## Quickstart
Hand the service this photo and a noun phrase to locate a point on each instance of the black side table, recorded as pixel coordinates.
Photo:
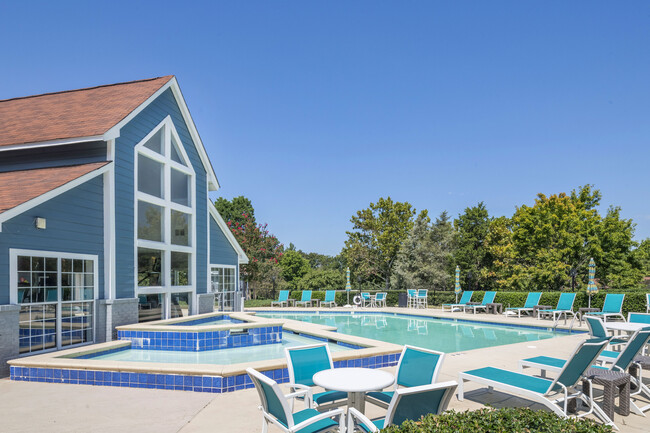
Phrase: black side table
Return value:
(613, 382)
(582, 311)
(494, 308)
(536, 308)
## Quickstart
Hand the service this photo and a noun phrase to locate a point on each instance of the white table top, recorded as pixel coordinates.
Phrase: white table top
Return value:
(624, 326)
(354, 379)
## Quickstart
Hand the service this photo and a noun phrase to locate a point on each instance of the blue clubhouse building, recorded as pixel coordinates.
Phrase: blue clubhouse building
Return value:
(105, 216)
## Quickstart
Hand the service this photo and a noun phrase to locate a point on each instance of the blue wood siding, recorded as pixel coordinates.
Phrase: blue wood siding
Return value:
(130, 135)
(221, 252)
(53, 156)
(75, 224)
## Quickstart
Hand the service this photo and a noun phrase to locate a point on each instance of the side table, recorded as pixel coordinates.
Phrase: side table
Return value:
(613, 382)
(644, 362)
(536, 308)
(582, 311)
(494, 308)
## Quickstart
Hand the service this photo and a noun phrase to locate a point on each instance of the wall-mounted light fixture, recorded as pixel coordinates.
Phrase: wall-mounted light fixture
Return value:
(40, 223)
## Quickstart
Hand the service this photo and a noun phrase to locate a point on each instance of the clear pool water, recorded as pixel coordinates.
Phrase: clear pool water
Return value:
(442, 335)
(224, 356)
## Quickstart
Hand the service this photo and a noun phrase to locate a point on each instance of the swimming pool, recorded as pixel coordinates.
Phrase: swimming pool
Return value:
(224, 356)
(431, 333)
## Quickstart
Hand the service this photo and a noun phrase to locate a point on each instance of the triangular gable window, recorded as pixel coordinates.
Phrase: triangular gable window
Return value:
(175, 153)
(155, 143)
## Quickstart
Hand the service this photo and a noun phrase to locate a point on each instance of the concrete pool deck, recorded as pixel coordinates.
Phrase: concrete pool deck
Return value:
(29, 406)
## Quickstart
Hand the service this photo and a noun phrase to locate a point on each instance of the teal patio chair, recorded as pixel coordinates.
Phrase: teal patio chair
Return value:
(305, 298)
(529, 306)
(488, 298)
(422, 298)
(417, 366)
(554, 394)
(597, 330)
(366, 299)
(613, 307)
(276, 409)
(330, 296)
(412, 297)
(283, 299)
(305, 361)
(407, 404)
(638, 318)
(380, 299)
(564, 307)
(467, 297)
(619, 361)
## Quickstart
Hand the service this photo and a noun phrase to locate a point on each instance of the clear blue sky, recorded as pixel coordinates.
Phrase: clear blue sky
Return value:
(315, 109)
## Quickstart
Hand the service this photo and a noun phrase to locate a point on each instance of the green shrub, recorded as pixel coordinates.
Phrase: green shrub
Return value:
(253, 303)
(499, 420)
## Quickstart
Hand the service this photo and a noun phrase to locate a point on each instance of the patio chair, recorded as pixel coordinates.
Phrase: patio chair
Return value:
(597, 330)
(467, 297)
(305, 298)
(407, 404)
(277, 409)
(612, 307)
(620, 361)
(564, 307)
(366, 299)
(305, 361)
(529, 306)
(554, 394)
(283, 299)
(638, 317)
(380, 299)
(417, 366)
(330, 296)
(412, 297)
(421, 300)
(488, 298)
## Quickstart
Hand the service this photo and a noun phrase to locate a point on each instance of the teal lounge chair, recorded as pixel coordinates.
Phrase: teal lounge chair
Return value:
(366, 299)
(613, 307)
(380, 299)
(554, 394)
(529, 306)
(488, 298)
(305, 361)
(421, 299)
(283, 299)
(412, 297)
(305, 298)
(564, 307)
(417, 366)
(619, 361)
(276, 409)
(467, 297)
(330, 297)
(597, 330)
(407, 404)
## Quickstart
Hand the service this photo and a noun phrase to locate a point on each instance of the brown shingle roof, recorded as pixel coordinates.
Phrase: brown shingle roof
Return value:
(72, 113)
(18, 187)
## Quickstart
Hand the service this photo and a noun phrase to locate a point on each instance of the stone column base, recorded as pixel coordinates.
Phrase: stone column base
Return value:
(9, 344)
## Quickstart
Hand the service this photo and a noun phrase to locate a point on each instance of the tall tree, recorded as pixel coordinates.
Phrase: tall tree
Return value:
(376, 238)
(294, 267)
(472, 227)
(238, 210)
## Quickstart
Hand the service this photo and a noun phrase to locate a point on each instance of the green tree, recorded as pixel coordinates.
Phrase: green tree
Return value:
(294, 267)
(426, 257)
(472, 227)
(323, 261)
(322, 279)
(642, 256)
(376, 238)
(238, 210)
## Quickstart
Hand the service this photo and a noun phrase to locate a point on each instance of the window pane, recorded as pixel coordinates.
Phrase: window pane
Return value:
(23, 263)
(180, 228)
(150, 221)
(150, 307)
(175, 153)
(155, 142)
(149, 267)
(180, 268)
(180, 305)
(150, 176)
(180, 188)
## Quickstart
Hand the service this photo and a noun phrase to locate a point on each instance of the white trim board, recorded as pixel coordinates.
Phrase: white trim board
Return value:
(48, 143)
(242, 258)
(23, 207)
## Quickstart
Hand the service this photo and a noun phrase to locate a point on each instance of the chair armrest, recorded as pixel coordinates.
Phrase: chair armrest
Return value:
(324, 415)
(304, 391)
(355, 414)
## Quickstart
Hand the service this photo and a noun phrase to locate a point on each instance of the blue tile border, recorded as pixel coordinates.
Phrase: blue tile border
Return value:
(175, 382)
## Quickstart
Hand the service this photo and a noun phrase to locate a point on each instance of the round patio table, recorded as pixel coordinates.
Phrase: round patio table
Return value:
(355, 381)
(624, 326)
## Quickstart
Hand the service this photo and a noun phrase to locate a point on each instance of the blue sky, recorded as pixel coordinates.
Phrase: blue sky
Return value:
(315, 109)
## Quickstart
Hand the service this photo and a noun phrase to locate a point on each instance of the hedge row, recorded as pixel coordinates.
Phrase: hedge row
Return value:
(634, 301)
(499, 420)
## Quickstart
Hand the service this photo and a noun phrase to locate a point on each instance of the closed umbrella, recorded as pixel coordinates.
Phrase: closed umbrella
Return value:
(457, 288)
(348, 286)
(592, 288)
